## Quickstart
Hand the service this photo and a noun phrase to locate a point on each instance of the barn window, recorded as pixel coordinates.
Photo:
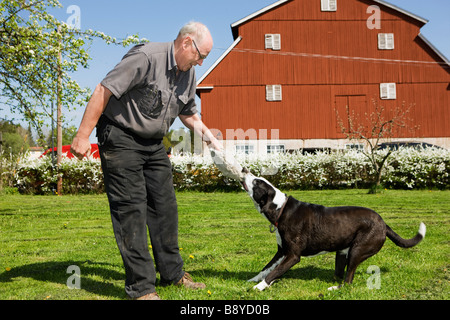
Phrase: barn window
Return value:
(273, 41)
(386, 41)
(275, 148)
(388, 91)
(328, 5)
(354, 146)
(273, 92)
(245, 149)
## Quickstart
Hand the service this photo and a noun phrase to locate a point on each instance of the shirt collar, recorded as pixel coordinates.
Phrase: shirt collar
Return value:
(171, 62)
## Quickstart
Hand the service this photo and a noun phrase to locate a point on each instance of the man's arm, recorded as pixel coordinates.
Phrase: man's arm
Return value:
(94, 109)
(194, 123)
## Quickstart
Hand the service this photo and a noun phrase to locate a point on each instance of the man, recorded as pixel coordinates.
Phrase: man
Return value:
(133, 108)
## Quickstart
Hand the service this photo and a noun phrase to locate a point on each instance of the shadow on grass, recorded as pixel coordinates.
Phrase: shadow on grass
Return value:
(305, 273)
(301, 273)
(97, 278)
(57, 272)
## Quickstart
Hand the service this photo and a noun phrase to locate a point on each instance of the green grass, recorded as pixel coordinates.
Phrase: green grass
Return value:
(224, 242)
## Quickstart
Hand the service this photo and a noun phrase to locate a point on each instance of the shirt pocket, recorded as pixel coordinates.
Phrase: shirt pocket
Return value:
(150, 102)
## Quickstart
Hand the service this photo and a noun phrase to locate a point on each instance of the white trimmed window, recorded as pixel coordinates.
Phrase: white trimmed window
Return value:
(388, 91)
(245, 149)
(328, 5)
(272, 41)
(273, 92)
(386, 41)
(275, 148)
(354, 146)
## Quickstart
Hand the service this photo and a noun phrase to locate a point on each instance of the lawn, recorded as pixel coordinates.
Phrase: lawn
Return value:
(224, 242)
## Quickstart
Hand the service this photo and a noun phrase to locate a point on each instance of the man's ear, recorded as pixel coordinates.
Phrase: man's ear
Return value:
(186, 42)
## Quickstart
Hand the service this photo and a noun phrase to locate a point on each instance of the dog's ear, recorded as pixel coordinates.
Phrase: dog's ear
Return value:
(271, 193)
(262, 201)
(263, 194)
(268, 195)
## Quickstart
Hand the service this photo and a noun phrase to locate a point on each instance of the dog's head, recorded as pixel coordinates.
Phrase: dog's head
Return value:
(265, 196)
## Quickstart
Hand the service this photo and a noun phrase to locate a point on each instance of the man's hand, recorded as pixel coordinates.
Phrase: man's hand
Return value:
(215, 144)
(80, 147)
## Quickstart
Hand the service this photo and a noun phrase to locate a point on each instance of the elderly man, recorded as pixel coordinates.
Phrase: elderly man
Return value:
(133, 108)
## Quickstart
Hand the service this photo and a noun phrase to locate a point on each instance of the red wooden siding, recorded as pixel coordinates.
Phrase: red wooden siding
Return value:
(319, 69)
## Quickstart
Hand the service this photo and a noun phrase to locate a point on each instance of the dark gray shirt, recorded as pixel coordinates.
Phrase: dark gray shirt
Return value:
(147, 94)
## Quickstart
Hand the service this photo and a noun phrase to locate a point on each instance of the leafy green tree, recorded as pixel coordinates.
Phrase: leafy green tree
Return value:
(39, 54)
(15, 139)
(179, 141)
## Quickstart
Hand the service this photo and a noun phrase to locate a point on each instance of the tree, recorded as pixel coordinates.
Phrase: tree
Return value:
(372, 129)
(15, 139)
(68, 133)
(179, 141)
(39, 53)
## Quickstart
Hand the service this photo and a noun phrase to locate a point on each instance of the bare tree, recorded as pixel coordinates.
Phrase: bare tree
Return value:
(374, 128)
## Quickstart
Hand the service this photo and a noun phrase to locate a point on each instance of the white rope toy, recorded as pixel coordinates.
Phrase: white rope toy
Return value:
(227, 164)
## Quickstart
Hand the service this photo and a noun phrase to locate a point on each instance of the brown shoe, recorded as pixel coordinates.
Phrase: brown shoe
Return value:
(149, 296)
(187, 282)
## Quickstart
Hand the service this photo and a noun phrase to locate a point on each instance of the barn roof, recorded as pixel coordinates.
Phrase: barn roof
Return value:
(253, 15)
(235, 25)
(280, 2)
(440, 54)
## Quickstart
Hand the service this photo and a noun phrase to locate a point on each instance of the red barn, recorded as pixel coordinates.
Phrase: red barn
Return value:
(295, 62)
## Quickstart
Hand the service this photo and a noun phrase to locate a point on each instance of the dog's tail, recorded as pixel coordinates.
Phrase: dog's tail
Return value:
(407, 243)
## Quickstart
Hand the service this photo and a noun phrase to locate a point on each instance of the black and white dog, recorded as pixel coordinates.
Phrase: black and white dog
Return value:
(305, 229)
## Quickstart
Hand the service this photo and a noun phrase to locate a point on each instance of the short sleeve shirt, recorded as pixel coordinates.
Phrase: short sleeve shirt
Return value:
(147, 93)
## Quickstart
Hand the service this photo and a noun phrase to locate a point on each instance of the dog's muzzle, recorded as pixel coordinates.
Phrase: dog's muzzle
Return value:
(246, 172)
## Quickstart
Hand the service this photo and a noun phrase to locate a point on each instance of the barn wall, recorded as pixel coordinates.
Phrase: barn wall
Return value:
(328, 60)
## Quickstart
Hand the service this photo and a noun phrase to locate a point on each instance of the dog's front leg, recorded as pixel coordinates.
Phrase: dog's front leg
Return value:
(287, 263)
(276, 260)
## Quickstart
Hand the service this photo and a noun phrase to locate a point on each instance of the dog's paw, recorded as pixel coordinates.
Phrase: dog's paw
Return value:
(261, 286)
(334, 288)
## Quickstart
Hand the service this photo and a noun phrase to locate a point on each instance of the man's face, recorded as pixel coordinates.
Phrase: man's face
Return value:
(193, 53)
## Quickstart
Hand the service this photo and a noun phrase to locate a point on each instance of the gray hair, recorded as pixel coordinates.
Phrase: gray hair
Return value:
(194, 29)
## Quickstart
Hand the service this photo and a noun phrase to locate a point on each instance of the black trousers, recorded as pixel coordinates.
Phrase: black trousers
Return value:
(138, 182)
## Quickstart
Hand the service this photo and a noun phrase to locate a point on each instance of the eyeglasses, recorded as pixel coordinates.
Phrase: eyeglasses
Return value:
(202, 57)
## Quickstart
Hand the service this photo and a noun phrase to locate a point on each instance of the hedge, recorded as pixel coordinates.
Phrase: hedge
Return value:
(407, 169)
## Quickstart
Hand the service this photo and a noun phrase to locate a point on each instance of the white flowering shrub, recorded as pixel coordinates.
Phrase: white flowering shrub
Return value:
(413, 168)
(406, 169)
(38, 176)
(286, 171)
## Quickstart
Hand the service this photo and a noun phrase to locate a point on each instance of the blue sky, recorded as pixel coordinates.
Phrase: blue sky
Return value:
(160, 21)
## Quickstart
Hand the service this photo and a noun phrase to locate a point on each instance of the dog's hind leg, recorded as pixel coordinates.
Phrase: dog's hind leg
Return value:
(354, 259)
(276, 260)
(366, 246)
(340, 264)
(339, 269)
(356, 256)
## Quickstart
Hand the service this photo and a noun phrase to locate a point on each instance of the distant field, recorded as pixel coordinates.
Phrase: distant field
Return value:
(224, 242)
